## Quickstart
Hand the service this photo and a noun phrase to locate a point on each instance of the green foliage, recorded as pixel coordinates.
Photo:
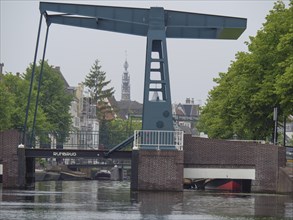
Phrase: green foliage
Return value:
(120, 130)
(54, 103)
(13, 103)
(242, 103)
(6, 106)
(104, 134)
(41, 163)
(54, 100)
(97, 83)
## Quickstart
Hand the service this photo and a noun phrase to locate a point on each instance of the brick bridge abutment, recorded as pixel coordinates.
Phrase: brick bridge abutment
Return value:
(153, 170)
(16, 168)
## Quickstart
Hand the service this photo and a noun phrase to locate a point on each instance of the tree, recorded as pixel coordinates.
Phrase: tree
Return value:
(257, 81)
(54, 102)
(54, 99)
(14, 93)
(97, 83)
(120, 130)
(6, 102)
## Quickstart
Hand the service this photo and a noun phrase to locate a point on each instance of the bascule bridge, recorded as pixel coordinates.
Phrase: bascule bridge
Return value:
(158, 157)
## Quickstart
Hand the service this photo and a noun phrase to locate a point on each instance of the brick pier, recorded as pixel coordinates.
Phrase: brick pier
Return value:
(157, 170)
(9, 142)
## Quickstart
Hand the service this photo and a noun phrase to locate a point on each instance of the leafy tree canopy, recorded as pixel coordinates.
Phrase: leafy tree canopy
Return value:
(14, 92)
(54, 100)
(7, 100)
(257, 81)
(120, 130)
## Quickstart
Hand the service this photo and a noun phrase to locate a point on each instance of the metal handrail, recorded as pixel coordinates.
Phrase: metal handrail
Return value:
(158, 139)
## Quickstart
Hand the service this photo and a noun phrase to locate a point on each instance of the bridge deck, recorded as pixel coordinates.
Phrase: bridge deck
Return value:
(74, 153)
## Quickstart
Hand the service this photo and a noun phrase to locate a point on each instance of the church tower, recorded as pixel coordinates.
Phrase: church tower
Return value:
(125, 87)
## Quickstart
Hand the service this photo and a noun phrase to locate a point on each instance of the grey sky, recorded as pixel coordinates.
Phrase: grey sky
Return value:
(193, 63)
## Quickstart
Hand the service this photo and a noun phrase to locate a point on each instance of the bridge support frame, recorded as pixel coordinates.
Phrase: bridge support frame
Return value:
(157, 105)
(157, 170)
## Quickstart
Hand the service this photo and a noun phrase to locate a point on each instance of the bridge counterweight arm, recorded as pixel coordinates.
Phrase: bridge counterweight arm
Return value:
(99, 24)
(183, 24)
(123, 14)
(136, 21)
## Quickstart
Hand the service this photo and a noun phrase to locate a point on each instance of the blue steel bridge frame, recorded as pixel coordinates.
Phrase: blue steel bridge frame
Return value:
(156, 24)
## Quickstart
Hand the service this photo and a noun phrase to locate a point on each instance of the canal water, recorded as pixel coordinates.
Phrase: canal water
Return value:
(69, 200)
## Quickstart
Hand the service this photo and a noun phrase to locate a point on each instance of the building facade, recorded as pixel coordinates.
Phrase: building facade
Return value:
(186, 115)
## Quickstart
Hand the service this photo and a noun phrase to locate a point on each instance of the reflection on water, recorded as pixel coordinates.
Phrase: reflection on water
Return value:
(158, 203)
(114, 200)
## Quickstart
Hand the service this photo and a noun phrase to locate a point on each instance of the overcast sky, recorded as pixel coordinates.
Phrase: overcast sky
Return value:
(193, 63)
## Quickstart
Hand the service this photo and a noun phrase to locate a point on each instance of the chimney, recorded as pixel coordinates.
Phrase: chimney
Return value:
(57, 68)
(187, 100)
(1, 68)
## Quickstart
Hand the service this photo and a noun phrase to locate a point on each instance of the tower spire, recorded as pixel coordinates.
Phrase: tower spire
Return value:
(125, 87)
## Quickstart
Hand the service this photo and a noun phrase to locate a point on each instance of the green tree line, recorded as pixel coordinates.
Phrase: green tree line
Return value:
(53, 114)
(242, 103)
(54, 101)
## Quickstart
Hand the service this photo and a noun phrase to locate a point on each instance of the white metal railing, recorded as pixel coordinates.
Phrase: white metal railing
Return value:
(158, 139)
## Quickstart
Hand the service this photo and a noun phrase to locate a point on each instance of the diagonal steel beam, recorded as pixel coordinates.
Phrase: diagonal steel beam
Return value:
(136, 21)
(99, 24)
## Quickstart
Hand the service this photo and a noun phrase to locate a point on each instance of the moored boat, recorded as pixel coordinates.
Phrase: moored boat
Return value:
(39, 175)
(103, 175)
(224, 184)
(52, 176)
(72, 175)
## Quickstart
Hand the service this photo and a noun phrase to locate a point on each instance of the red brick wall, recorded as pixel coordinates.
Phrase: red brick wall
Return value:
(265, 158)
(159, 170)
(9, 141)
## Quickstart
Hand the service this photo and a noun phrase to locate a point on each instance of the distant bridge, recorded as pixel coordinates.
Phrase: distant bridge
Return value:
(74, 153)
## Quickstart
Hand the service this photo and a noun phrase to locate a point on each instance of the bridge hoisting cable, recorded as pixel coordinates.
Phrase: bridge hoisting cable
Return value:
(156, 24)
